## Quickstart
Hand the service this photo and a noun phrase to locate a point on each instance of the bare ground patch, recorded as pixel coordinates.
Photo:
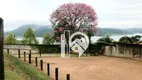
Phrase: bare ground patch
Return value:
(93, 68)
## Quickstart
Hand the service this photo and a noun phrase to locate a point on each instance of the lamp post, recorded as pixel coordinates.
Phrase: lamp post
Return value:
(1, 51)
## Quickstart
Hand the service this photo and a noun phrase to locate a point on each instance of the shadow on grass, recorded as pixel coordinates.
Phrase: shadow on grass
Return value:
(19, 70)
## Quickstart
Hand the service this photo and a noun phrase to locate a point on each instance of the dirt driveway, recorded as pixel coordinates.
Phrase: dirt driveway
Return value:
(95, 68)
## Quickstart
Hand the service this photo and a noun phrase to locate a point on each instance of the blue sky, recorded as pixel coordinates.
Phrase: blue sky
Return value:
(111, 13)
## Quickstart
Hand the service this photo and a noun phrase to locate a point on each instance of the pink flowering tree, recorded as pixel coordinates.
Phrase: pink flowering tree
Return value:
(74, 17)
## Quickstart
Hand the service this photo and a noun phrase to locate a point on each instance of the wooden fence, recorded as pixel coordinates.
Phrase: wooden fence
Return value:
(36, 62)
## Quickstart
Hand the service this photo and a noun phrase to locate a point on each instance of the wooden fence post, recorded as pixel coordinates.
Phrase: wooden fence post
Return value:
(30, 51)
(56, 73)
(25, 56)
(29, 58)
(8, 51)
(68, 77)
(40, 53)
(41, 65)
(36, 61)
(19, 53)
(1, 50)
(48, 69)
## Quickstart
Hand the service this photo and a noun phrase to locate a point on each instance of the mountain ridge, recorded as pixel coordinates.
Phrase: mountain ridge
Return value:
(40, 30)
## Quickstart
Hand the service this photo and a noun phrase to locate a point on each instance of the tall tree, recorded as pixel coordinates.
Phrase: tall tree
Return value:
(106, 39)
(10, 39)
(29, 37)
(47, 39)
(136, 38)
(125, 39)
(133, 39)
(74, 17)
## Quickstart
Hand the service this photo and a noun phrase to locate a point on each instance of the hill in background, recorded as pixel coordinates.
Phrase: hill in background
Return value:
(40, 30)
(112, 31)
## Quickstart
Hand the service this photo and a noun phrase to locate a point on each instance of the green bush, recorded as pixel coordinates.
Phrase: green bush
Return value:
(49, 48)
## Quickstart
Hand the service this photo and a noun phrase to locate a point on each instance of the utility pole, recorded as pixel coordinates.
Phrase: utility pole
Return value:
(1, 51)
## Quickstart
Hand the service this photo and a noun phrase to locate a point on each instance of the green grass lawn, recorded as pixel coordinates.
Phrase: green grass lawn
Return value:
(15, 69)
